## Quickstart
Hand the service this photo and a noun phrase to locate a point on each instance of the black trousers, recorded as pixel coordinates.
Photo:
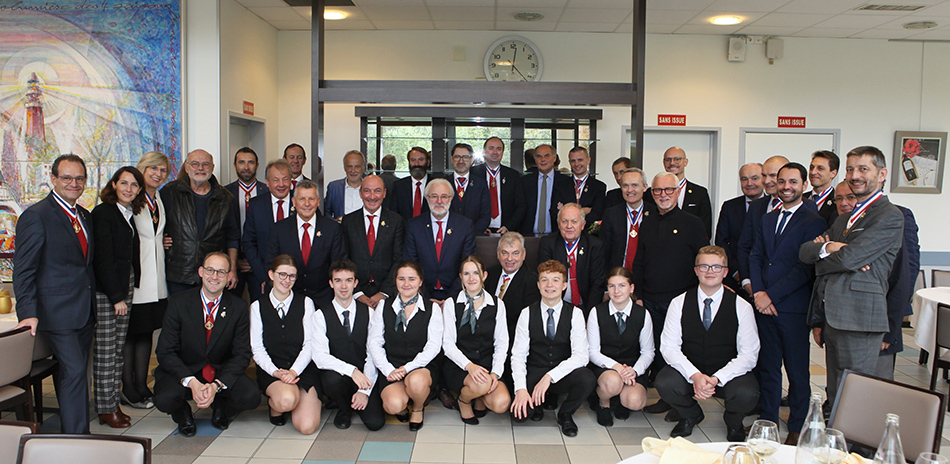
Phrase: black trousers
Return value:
(341, 389)
(657, 311)
(578, 385)
(741, 395)
(72, 348)
(171, 397)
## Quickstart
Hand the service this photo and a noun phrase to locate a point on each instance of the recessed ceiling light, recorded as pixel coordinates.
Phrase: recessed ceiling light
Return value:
(333, 15)
(726, 20)
(920, 25)
(529, 16)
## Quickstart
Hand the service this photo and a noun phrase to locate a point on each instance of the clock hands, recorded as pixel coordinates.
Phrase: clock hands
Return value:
(519, 72)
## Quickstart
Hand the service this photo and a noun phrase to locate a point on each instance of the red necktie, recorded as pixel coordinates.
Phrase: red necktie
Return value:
(208, 372)
(572, 275)
(632, 239)
(280, 209)
(460, 189)
(305, 244)
(577, 187)
(293, 184)
(417, 200)
(81, 235)
(438, 252)
(371, 234)
(494, 196)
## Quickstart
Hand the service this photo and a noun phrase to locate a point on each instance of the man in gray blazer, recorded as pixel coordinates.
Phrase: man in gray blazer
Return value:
(853, 260)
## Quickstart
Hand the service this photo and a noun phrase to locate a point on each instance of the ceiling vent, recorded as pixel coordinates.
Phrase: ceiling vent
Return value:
(884, 7)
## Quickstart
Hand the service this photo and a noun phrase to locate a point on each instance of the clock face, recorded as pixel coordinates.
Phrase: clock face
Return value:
(513, 59)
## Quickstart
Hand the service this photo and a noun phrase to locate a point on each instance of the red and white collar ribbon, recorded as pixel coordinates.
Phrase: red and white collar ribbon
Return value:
(860, 209)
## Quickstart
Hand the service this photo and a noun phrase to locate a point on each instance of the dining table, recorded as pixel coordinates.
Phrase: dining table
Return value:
(924, 319)
(784, 455)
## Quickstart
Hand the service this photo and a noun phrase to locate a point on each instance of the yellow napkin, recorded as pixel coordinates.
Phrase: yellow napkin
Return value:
(679, 450)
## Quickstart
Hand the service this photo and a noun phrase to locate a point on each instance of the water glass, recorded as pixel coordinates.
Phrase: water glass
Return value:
(763, 439)
(930, 458)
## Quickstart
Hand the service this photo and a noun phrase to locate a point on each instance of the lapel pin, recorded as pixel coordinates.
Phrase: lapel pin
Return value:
(223, 313)
(319, 234)
(581, 252)
(382, 223)
(689, 191)
(503, 180)
(829, 203)
(675, 231)
(449, 232)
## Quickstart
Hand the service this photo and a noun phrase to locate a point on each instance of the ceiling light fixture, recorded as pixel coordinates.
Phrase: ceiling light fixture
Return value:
(529, 16)
(726, 20)
(333, 15)
(920, 25)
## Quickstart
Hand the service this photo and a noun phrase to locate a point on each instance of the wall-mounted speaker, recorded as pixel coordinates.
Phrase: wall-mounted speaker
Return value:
(736, 49)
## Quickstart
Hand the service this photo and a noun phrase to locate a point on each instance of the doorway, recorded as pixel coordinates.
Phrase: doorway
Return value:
(243, 131)
(758, 144)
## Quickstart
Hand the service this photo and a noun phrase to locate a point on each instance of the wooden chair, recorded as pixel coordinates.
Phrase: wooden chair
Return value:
(17, 349)
(921, 281)
(10, 433)
(942, 341)
(84, 449)
(939, 278)
(864, 400)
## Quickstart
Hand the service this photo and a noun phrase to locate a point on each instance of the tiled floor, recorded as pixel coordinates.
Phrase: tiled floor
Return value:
(251, 439)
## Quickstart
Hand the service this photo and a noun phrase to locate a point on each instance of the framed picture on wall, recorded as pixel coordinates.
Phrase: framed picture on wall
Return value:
(917, 166)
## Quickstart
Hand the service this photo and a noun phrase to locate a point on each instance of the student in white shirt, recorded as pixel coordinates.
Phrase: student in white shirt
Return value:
(281, 344)
(405, 336)
(475, 342)
(620, 336)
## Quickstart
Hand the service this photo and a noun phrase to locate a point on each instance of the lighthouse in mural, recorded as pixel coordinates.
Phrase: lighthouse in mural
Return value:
(35, 125)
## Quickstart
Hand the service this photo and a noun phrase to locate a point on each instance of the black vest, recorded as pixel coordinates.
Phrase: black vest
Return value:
(543, 353)
(402, 347)
(283, 338)
(623, 348)
(710, 350)
(480, 346)
(348, 348)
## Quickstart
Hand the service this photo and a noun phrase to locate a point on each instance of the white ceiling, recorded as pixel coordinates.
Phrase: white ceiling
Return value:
(786, 18)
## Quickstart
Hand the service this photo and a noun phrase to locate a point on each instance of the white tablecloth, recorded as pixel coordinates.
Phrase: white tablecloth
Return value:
(924, 319)
(785, 454)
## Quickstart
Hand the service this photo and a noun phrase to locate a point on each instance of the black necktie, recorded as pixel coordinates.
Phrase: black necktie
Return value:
(551, 330)
(621, 321)
(346, 322)
(707, 312)
(781, 225)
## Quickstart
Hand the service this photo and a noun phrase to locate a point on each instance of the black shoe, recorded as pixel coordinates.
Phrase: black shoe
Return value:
(279, 419)
(736, 434)
(673, 416)
(186, 422)
(784, 402)
(467, 420)
(446, 399)
(604, 418)
(537, 414)
(416, 426)
(550, 403)
(219, 419)
(621, 413)
(342, 419)
(658, 408)
(403, 416)
(479, 413)
(684, 427)
(568, 427)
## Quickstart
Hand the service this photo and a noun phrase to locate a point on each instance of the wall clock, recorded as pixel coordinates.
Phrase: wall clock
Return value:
(513, 59)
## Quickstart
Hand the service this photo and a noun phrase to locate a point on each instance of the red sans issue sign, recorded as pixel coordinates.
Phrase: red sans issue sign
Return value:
(791, 121)
(671, 120)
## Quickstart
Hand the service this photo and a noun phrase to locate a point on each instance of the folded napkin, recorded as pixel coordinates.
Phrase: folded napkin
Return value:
(679, 450)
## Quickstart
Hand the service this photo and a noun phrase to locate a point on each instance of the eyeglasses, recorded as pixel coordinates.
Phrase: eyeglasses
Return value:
(713, 267)
(215, 272)
(461, 157)
(196, 165)
(443, 198)
(677, 159)
(667, 190)
(286, 276)
(71, 179)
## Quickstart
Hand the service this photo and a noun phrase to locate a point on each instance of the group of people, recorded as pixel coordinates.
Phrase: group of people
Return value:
(379, 303)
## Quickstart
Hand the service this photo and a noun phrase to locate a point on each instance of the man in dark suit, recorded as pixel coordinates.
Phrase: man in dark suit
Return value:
(732, 216)
(408, 195)
(588, 192)
(694, 198)
(262, 212)
(387, 167)
(511, 281)
(506, 207)
(544, 193)
(296, 157)
(312, 241)
(853, 260)
(900, 291)
(472, 198)
(581, 254)
(781, 286)
(753, 218)
(203, 351)
(375, 238)
(821, 173)
(615, 196)
(438, 241)
(620, 228)
(243, 190)
(55, 284)
(343, 194)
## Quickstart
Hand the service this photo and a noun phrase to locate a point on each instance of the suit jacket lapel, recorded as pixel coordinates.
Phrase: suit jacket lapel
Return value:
(792, 222)
(221, 320)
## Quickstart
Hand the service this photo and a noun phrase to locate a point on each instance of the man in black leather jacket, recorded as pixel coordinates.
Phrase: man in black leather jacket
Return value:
(200, 218)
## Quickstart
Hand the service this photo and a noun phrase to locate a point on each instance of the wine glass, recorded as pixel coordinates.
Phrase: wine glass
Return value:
(835, 450)
(763, 439)
(930, 458)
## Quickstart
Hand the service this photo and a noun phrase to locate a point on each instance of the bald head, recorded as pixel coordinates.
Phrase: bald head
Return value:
(750, 178)
(674, 162)
(770, 170)
(199, 165)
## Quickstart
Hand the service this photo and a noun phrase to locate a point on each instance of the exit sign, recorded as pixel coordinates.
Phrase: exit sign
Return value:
(671, 120)
(248, 108)
(790, 121)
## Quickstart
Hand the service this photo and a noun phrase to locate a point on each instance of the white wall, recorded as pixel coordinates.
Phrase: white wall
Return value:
(201, 76)
(866, 88)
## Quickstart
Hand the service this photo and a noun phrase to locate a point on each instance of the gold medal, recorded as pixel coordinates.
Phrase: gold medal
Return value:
(633, 233)
(247, 196)
(154, 219)
(209, 325)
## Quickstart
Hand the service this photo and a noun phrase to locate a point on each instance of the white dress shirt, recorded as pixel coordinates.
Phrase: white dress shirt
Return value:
(321, 345)
(311, 231)
(351, 198)
(450, 333)
(284, 206)
(682, 196)
(435, 227)
(519, 351)
(747, 338)
(501, 281)
(647, 350)
(377, 341)
(126, 213)
(257, 334)
(782, 209)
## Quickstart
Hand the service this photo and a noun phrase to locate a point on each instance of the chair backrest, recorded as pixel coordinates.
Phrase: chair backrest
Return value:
(41, 348)
(16, 347)
(84, 449)
(939, 278)
(943, 325)
(864, 400)
(10, 433)
(921, 281)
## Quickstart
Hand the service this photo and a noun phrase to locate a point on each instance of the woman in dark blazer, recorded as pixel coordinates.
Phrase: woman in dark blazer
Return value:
(116, 262)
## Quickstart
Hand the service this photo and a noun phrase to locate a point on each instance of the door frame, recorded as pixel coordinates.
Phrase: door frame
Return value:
(743, 131)
(256, 139)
